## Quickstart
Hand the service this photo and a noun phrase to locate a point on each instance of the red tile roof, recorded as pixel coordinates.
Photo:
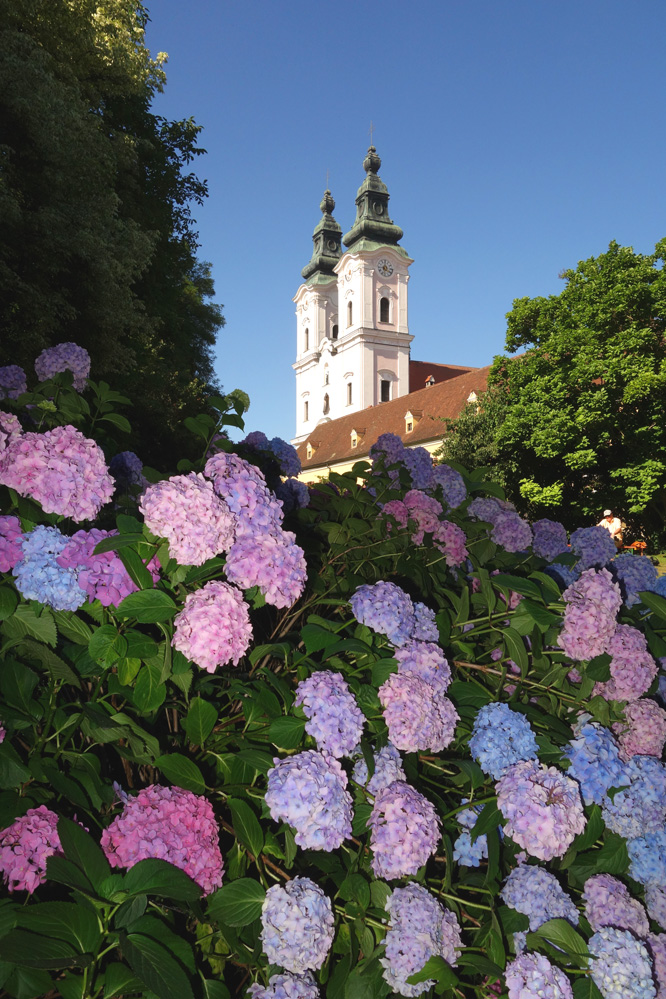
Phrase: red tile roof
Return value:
(419, 371)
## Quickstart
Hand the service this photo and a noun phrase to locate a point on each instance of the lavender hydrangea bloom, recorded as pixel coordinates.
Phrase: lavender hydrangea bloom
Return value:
(656, 945)
(424, 627)
(594, 546)
(286, 987)
(25, 847)
(297, 925)
(243, 487)
(595, 761)
(451, 483)
(621, 967)
(187, 512)
(389, 447)
(609, 903)
(468, 852)
(539, 895)
(640, 807)
(542, 807)
(10, 429)
(308, 791)
(12, 381)
(127, 469)
(655, 900)
(511, 532)
(384, 608)
(286, 455)
(426, 660)
(590, 618)
(102, 577)
(643, 731)
(335, 721)
(64, 357)
(388, 768)
(213, 627)
(501, 737)
(484, 508)
(419, 465)
(404, 831)
(532, 976)
(419, 928)
(647, 856)
(293, 494)
(634, 575)
(40, 577)
(418, 715)
(632, 668)
(273, 562)
(550, 539)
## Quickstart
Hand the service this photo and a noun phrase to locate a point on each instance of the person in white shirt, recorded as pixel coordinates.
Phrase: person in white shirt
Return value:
(613, 525)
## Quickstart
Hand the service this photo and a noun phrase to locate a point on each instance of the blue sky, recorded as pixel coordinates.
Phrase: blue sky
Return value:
(516, 138)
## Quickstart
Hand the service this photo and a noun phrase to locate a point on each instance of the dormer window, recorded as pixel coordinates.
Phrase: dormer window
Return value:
(472, 397)
(409, 425)
(357, 436)
(384, 310)
(308, 451)
(354, 439)
(411, 419)
(430, 381)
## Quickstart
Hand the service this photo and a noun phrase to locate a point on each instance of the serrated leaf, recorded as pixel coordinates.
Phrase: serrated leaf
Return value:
(8, 602)
(157, 877)
(435, 968)
(30, 620)
(41, 655)
(30, 950)
(315, 638)
(515, 648)
(255, 758)
(286, 733)
(118, 421)
(237, 903)
(149, 692)
(120, 980)
(66, 872)
(155, 966)
(182, 772)
(147, 607)
(489, 818)
(561, 934)
(72, 627)
(63, 921)
(136, 569)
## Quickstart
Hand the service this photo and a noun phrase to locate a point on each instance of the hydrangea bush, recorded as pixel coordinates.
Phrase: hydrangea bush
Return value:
(376, 737)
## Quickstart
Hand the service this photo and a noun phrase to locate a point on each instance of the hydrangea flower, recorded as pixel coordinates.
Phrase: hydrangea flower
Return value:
(550, 539)
(620, 966)
(484, 508)
(404, 831)
(102, 577)
(468, 852)
(386, 609)
(186, 511)
(451, 541)
(565, 575)
(532, 976)
(293, 494)
(634, 575)
(423, 510)
(25, 846)
(388, 768)
(127, 469)
(213, 627)
(590, 618)
(285, 454)
(632, 668)
(273, 562)
(647, 856)
(167, 823)
(64, 357)
(539, 895)
(12, 381)
(40, 577)
(501, 737)
(10, 543)
(425, 626)
(335, 720)
(640, 807)
(452, 485)
(542, 808)
(655, 900)
(594, 546)
(308, 791)
(656, 945)
(243, 487)
(286, 987)
(61, 469)
(10, 429)
(595, 760)
(609, 903)
(297, 925)
(419, 928)
(419, 465)
(388, 447)
(643, 730)
(511, 532)
(425, 659)
(418, 716)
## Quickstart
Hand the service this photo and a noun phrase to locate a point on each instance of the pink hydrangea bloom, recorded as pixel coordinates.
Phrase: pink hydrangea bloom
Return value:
(213, 627)
(10, 545)
(397, 510)
(589, 620)
(451, 541)
(61, 469)
(26, 845)
(10, 429)
(167, 823)
(404, 831)
(425, 659)
(103, 576)
(243, 487)
(643, 730)
(64, 357)
(187, 512)
(542, 807)
(273, 562)
(632, 667)
(609, 903)
(418, 716)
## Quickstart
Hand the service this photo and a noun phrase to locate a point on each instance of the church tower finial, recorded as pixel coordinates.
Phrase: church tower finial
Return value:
(326, 237)
(373, 226)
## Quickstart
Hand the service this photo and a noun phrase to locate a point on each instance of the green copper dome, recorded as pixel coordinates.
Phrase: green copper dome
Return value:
(373, 224)
(326, 238)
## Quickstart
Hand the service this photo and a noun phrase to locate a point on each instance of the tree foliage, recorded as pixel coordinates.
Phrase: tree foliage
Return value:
(97, 243)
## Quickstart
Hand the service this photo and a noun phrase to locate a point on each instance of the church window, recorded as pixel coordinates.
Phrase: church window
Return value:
(326, 377)
(385, 390)
(306, 339)
(349, 393)
(306, 408)
(349, 313)
(384, 310)
(327, 404)
(334, 332)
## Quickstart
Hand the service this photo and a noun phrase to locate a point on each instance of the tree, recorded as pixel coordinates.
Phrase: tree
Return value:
(97, 243)
(577, 422)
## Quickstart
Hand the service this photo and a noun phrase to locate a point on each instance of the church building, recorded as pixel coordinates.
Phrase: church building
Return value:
(355, 378)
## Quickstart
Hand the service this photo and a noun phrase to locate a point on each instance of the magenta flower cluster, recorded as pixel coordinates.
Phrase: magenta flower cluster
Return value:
(12, 381)
(309, 792)
(10, 543)
(103, 576)
(424, 513)
(213, 628)
(25, 846)
(335, 720)
(64, 357)
(404, 831)
(590, 617)
(167, 823)
(297, 925)
(187, 512)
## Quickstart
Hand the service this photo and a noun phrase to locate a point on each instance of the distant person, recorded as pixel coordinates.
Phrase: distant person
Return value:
(613, 525)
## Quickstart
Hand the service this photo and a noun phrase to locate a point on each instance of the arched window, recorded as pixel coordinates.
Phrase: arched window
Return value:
(306, 408)
(384, 310)
(334, 332)
(306, 339)
(349, 313)
(384, 390)
(349, 393)
(326, 404)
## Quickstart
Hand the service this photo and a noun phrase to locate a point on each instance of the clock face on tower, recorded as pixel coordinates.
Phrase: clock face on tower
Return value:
(384, 267)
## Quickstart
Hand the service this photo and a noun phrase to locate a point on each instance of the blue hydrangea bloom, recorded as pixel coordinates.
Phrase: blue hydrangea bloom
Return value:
(385, 608)
(501, 737)
(595, 761)
(537, 894)
(621, 967)
(550, 538)
(38, 575)
(641, 808)
(565, 575)
(419, 466)
(453, 486)
(634, 574)
(594, 547)
(286, 455)
(660, 586)
(647, 855)
(470, 853)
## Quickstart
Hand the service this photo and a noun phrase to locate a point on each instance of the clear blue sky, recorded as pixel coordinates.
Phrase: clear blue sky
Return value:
(516, 138)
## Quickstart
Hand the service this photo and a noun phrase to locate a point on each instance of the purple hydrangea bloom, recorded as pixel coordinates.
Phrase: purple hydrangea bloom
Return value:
(511, 532)
(565, 575)
(643, 731)
(61, 469)
(425, 659)
(594, 546)
(550, 539)
(532, 976)
(539, 895)
(660, 586)
(389, 447)
(632, 668)
(425, 626)
(256, 439)
(187, 512)
(10, 429)
(243, 487)
(10, 542)
(634, 575)
(127, 469)
(485, 508)
(595, 761)
(404, 831)
(468, 852)
(12, 381)
(273, 562)
(39, 575)
(388, 768)
(419, 928)
(308, 792)
(647, 856)
(64, 357)
(655, 900)
(542, 807)
(297, 925)
(451, 483)
(656, 945)
(419, 465)
(293, 494)
(590, 618)
(286, 987)
(620, 966)
(609, 903)
(286, 455)
(335, 721)
(384, 608)
(25, 846)
(501, 737)
(640, 807)
(418, 715)
(103, 577)
(213, 627)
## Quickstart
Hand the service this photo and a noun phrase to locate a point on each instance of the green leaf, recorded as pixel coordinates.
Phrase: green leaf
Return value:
(119, 980)
(149, 693)
(655, 603)
(526, 587)
(365, 981)
(41, 655)
(286, 733)
(260, 762)
(107, 645)
(136, 569)
(147, 607)
(246, 826)
(30, 619)
(584, 988)
(561, 934)
(155, 966)
(528, 613)
(515, 648)
(200, 720)
(158, 877)
(237, 903)
(66, 872)
(355, 888)
(118, 421)
(13, 773)
(490, 818)
(30, 950)
(79, 847)
(118, 541)
(382, 670)
(435, 968)
(72, 627)
(140, 646)
(599, 667)
(64, 921)
(8, 602)
(182, 772)
(316, 638)
(127, 669)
